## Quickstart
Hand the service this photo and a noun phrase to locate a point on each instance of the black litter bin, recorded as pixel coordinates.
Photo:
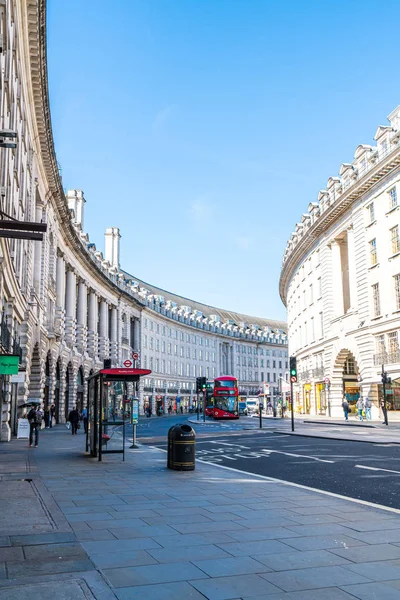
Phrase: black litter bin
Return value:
(169, 460)
(181, 448)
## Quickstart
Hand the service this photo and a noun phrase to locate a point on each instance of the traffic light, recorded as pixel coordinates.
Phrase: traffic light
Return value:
(385, 379)
(201, 383)
(293, 369)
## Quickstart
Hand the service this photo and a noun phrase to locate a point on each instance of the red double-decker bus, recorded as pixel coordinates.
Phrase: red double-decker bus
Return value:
(226, 398)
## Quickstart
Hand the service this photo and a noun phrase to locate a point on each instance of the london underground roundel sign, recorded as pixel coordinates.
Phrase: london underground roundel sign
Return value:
(127, 363)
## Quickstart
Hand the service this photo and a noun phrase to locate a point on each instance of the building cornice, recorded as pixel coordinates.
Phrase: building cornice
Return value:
(335, 212)
(34, 13)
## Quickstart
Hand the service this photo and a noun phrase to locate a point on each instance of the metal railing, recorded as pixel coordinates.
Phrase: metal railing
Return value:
(387, 358)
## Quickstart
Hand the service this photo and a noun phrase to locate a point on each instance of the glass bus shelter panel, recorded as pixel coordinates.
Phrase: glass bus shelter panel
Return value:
(115, 410)
(93, 416)
(113, 401)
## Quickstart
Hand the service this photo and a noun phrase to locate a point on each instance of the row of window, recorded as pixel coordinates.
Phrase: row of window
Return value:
(388, 343)
(392, 204)
(306, 269)
(248, 375)
(307, 299)
(194, 339)
(178, 350)
(309, 331)
(175, 368)
(376, 297)
(251, 363)
(394, 241)
(260, 351)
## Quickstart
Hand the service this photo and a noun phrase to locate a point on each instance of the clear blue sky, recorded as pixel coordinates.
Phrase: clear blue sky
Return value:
(203, 128)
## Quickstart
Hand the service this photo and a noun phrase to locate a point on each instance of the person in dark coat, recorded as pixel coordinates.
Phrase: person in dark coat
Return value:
(73, 418)
(46, 417)
(52, 415)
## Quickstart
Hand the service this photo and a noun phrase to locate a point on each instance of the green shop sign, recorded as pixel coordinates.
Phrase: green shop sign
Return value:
(9, 364)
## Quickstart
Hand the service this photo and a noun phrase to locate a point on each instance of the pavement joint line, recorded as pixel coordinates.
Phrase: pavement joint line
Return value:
(375, 469)
(296, 485)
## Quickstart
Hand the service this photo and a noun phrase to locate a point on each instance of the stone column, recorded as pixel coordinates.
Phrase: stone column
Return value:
(136, 334)
(60, 299)
(337, 278)
(92, 336)
(352, 268)
(70, 308)
(103, 334)
(81, 328)
(114, 335)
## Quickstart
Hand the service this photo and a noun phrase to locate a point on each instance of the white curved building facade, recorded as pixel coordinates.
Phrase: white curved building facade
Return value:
(65, 307)
(340, 282)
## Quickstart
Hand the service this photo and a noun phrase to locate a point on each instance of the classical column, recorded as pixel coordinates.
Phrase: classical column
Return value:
(135, 340)
(114, 335)
(103, 333)
(70, 308)
(60, 282)
(81, 328)
(337, 286)
(60, 296)
(92, 337)
(352, 268)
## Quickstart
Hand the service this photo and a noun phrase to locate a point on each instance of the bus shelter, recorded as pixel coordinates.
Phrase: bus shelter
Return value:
(112, 405)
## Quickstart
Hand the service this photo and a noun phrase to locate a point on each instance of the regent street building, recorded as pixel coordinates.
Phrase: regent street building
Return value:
(340, 282)
(65, 305)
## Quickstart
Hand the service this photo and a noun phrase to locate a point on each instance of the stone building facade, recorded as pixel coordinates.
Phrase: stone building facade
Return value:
(65, 307)
(340, 281)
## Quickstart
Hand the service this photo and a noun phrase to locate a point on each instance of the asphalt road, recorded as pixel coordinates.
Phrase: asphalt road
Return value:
(359, 470)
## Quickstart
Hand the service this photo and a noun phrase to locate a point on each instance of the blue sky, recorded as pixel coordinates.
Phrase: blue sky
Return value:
(203, 128)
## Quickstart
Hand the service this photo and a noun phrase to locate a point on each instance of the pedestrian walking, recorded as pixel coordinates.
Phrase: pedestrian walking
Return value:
(46, 417)
(359, 407)
(384, 411)
(35, 418)
(367, 408)
(345, 406)
(85, 420)
(73, 418)
(52, 415)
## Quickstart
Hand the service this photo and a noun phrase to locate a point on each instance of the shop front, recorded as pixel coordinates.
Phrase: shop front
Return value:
(352, 393)
(306, 398)
(320, 399)
(392, 395)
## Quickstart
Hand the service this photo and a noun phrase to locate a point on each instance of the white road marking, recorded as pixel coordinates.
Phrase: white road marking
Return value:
(296, 455)
(228, 444)
(297, 485)
(375, 469)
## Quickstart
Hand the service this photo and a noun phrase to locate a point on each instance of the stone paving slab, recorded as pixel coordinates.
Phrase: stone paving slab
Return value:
(141, 531)
(72, 590)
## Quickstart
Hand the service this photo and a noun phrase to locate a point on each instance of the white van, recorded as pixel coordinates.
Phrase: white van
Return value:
(252, 405)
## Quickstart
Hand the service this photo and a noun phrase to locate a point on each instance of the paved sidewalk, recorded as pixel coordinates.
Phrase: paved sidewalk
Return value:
(83, 530)
(375, 433)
